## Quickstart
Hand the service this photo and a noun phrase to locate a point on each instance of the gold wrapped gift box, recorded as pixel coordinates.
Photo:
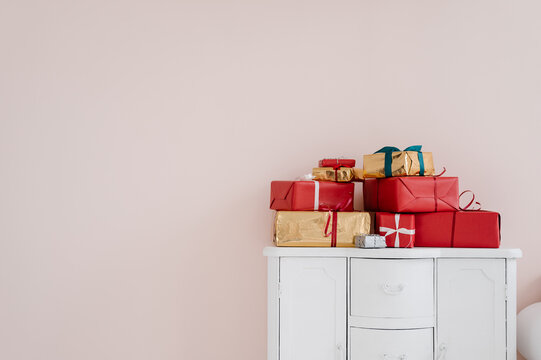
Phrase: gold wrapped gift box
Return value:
(404, 163)
(307, 228)
(342, 174)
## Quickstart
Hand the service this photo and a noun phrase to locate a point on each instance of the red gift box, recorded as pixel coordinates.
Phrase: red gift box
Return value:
(411, 194)
(466, 229)
(311, 195)
(337, 163)
(398, 229)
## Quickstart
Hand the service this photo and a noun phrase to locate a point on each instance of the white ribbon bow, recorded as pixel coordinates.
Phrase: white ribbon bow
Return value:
(316, 195)
(310, 177)
(397, 231)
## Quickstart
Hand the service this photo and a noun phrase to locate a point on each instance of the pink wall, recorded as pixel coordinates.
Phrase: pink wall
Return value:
(138, 140)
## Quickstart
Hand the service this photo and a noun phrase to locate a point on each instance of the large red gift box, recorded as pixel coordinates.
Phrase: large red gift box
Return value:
(398, 229)
(311, 195)
(411, 194)
(460, 229)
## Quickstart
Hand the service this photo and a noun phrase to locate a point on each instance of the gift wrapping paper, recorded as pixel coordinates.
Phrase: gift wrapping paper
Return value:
(311, 195)
(337, 163)
(467, 229)
(411, 194)
(343, 174)
(307, 228)
(370, 241)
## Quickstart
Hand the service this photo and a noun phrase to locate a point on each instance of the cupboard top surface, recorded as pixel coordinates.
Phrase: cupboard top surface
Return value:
(390, 253)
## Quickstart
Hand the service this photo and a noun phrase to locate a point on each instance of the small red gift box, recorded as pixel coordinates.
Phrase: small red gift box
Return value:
(337, 163)
(398, 229)
(411, 194)
(466, 229)
(311, 195)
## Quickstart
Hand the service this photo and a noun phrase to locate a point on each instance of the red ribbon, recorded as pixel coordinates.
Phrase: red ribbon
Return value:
(435, 195)
(453, 231)
(443, 172)
(465, 208)
(337, 167)
(472, 201)
(333, 214)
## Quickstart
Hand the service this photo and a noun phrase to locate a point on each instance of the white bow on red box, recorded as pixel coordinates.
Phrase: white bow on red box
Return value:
(402, 226)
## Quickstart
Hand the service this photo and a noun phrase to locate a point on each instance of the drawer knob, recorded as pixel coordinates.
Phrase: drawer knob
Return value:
(395, 289)
(395, 357)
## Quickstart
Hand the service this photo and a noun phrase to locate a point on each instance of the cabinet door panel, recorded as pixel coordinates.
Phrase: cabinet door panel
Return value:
(312, 308)
(471, 309)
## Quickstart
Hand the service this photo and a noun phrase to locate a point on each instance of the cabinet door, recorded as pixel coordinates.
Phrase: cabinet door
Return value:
(471, 309)
(312, 308)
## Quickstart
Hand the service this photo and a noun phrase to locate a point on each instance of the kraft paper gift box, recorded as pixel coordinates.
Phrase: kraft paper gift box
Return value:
(391, 161)
(411, 194)
(342, 174)
(466, 229)
(311, 195)
(319, 228)
(398, 229)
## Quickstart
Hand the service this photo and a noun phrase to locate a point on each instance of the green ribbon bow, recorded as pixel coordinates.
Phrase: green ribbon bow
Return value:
(388, 151)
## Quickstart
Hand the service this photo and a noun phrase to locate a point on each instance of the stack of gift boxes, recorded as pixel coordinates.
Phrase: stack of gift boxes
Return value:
(405, 205)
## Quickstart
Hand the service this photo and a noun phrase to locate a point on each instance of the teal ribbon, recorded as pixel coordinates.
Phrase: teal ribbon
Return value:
(388, 151)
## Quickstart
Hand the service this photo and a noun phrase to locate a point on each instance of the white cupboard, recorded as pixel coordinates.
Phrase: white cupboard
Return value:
(391, 304)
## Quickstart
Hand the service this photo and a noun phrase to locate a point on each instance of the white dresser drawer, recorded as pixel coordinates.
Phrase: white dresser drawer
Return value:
(392, 288)
(371, 344)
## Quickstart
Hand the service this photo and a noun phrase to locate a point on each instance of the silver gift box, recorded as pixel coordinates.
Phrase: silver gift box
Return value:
(370, 241)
